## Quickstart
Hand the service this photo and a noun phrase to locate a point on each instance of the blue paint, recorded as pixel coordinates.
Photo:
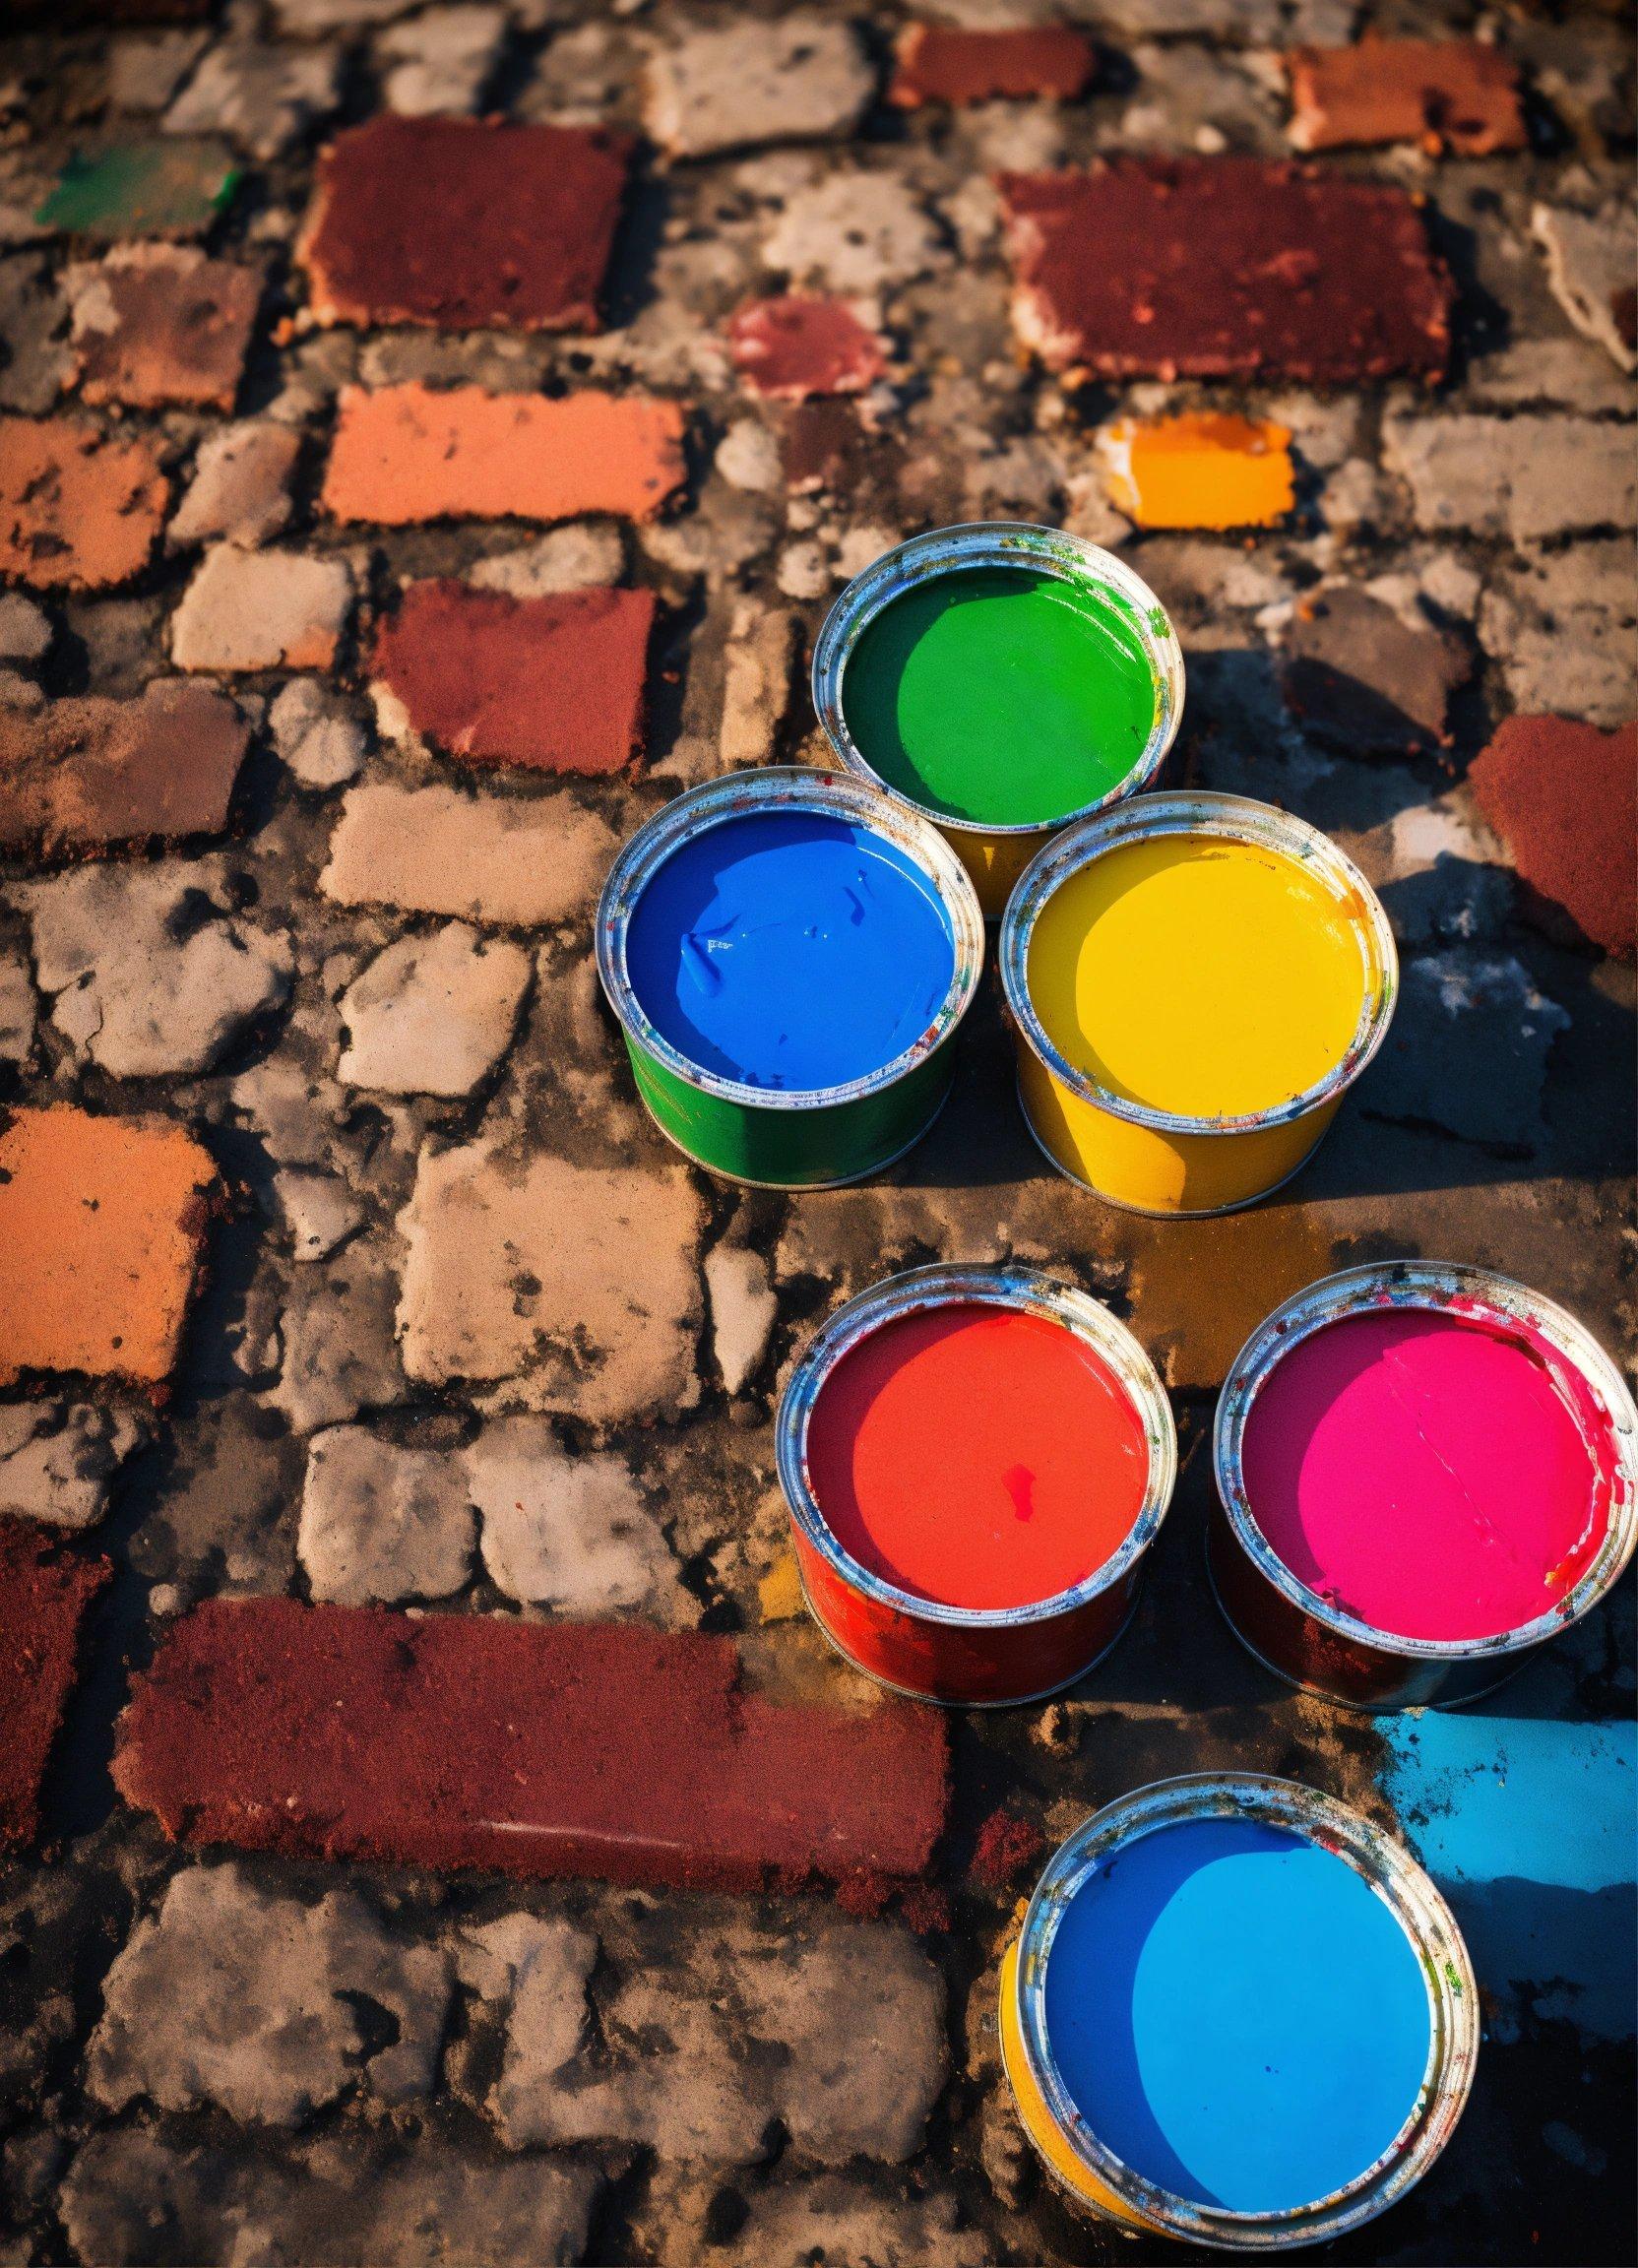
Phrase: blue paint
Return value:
(1530, 1826)
(789, 950)
(1237, 2015)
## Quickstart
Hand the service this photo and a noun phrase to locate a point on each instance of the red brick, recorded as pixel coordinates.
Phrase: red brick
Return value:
(158, 326)
(79, 511)
(1445, 95)
(405, 454)
(101, 1234)
(553, 684)
(1223, 267)
(938, 64)
(46, 1595)
(83, 774)
(794, 347)
(1564, 798)
(464, 223)
(468, 1740)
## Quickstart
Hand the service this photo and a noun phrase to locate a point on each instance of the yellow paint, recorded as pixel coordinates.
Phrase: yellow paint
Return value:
(1201, 977)
(1035, 2112)
(1204, 469)
(779, 1593)
(994, 861)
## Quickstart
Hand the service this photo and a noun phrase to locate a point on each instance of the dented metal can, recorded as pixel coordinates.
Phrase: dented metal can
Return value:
(1081, 2162)
(996, 854)
(966, 1656)
(1318, 1645)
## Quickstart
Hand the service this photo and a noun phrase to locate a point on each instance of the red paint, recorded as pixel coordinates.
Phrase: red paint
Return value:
(979, 1457)
(1436, 1474)
(794, 347)
(459, 1740)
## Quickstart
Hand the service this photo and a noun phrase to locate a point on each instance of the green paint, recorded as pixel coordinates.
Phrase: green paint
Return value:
(169, 188)
(1001, 696)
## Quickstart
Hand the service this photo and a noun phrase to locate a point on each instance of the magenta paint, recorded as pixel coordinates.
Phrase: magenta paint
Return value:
(1438, 1474)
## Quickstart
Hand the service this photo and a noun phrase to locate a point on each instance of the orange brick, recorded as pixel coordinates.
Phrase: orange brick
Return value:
(102, 1229)
(1445, 95)
(405, 454)
(1199, 470)
(78, 510)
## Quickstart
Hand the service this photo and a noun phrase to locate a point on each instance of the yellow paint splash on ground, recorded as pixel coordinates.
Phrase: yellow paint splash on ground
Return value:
(1202, 469)
(779, 1593)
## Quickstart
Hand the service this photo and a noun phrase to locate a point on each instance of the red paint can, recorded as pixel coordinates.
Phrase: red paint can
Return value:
(975, 1461)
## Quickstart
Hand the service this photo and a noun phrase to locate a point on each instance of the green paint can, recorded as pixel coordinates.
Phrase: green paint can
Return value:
(1003, 681)
(790, 953)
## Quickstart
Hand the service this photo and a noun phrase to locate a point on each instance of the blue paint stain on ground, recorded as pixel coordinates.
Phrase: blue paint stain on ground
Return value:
(791, 951)
(1530, 1830)
(1237, 2014)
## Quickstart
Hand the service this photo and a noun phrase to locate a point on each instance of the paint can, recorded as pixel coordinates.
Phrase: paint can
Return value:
(1383, 1910)
(1080, 645)
(756, 1129)
(930, 1356)
(1546, 1388)
(1316, 985)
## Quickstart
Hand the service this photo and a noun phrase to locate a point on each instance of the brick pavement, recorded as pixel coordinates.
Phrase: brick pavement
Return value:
(376, 380)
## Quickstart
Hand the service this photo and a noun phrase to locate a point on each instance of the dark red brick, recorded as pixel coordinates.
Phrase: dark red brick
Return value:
(939, 64)
(84, 774)
(795, 346)
(463, 222)
(44, 1596)
(470, 1741)
(552, 684)
(1225, 267)
(1364, 681)
(1563, 797)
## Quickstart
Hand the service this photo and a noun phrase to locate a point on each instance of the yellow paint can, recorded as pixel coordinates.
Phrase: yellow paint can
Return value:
(1194, 980)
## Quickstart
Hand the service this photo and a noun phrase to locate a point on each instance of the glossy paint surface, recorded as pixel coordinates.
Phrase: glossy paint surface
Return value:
(1237, 2015)
(1202, 976)
(976, 1455)
(1001, 696)
(791, 951)
(1427, 1473)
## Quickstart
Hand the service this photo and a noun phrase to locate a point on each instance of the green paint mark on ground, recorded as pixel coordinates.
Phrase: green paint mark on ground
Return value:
(169, 188)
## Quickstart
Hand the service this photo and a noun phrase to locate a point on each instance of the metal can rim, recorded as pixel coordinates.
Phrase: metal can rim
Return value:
(1023, 1290)
(784, 787)
(1417, 1904)
(970, 544)
(1235, 818)
(1444, 1286)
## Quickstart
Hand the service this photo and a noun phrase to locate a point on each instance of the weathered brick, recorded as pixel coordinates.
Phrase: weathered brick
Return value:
(265, 98)
(86, 774)
(790, 349)
(1444, 95)
(1363, 679)
(240, 490)
(1226, 267)
(482, 857)
(942, 63)
(461, 223)
(1564, 798)
(1469, 1046)
(440, 61)
(316, 734)
(577, 1284)
(1562, 626)
(852, 231)
(249, 610)
(383, 1524)
(566, 1532)
(169, 188)
(404, 453)
(58, 1459)
(78, 508)
(1591, 258)
(1524, 478)
(527, 1748)
(743, 1311)
(433, 1015)
(102, 1232)
(45, 1595)
(727, 87)
(158, 326)
(553, 685)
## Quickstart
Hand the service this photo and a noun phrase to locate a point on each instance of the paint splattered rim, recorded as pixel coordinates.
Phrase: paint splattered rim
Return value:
(1451, 1289)
(1415, 1904)
(1236, 819)
(997, 543)
(1024, 1291)
(784, 787)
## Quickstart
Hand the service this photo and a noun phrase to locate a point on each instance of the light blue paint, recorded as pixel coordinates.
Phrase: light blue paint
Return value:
(1237, 2015)
(1530, 1829)
(789, 950)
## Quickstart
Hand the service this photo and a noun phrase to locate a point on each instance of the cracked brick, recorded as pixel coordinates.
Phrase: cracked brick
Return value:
(158, 326)
(78, 510)
(85, 776)
(713, 88)
(247, 611)
(433, 1015)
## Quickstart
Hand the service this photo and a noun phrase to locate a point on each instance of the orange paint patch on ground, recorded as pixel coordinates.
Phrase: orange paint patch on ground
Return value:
(102, 1229)
(1455, 96)
(1202, 468)
(404, 453)
(78, 510)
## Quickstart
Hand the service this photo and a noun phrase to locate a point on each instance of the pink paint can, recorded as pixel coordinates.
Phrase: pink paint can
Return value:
(1425, 1472)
